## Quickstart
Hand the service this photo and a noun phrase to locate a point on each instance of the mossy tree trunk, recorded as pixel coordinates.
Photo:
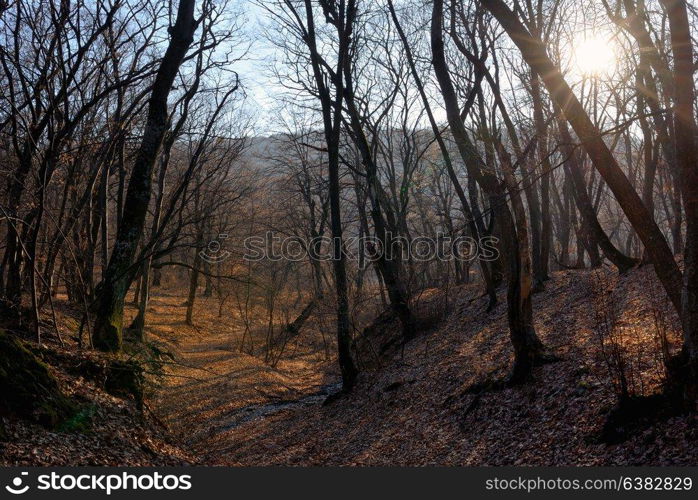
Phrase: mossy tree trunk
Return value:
(107, 332)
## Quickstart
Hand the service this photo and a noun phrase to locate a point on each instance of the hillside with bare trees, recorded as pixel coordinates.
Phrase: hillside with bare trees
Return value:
(342, 232)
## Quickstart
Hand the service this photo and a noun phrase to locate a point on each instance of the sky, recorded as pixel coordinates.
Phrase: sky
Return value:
(259, 84)
(263, 89)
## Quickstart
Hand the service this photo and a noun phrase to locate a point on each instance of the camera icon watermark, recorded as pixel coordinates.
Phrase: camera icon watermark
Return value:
(16, 487)
(214, 252)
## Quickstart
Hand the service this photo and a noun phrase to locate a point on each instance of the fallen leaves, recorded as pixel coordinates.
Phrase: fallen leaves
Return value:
(230, 408)
(553, 421)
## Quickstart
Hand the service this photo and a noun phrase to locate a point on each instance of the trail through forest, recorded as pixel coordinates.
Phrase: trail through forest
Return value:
(213, 387)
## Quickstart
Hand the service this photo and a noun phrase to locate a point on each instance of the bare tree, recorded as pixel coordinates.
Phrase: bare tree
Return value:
(107, 332)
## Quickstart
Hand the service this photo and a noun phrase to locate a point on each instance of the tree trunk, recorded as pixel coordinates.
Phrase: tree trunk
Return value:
(332, 121)
(107, 332)
(541, 274)
(138, 324)
(528, 349)
(389, 264)
(14, 256)
(527, 346)
(684, 373)
(586, 209)
(534, 53)
(193, 285)
(465, 206)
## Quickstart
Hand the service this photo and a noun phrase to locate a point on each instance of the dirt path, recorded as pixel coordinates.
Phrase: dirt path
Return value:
(213, 387)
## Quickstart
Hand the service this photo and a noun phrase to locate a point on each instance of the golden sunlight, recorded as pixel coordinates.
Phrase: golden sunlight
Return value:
(594, 55)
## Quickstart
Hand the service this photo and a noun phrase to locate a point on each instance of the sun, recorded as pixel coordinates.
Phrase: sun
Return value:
(594, 55)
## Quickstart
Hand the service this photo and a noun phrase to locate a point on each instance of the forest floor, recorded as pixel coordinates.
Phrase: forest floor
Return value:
(415, 410)
(107, 428)
(214, 386)
(217, 405)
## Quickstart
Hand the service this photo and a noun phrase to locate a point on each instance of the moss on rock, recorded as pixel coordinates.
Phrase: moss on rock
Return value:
(27, 388)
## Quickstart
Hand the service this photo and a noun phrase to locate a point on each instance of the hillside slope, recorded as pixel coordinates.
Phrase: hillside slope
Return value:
(217, 405)
(107, 428)
(414, 410)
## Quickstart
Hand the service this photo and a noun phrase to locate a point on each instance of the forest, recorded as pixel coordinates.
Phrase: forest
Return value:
(348, 232)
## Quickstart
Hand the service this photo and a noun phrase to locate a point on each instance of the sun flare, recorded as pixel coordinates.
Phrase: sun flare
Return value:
(594, 56)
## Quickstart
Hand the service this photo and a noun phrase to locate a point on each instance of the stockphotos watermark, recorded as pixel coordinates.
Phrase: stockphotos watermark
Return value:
(274, 247)
(102, 483)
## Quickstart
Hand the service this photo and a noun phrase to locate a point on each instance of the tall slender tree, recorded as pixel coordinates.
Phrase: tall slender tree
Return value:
(109, 310)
